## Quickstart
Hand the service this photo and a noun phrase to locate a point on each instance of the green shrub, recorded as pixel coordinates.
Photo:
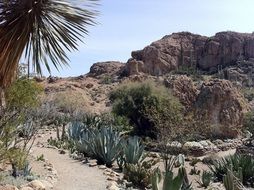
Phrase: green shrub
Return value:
(248, 93)
(231, 181)
(148, 106)
(248, 121)
(139, 174)
(235, 162)
(23, 93)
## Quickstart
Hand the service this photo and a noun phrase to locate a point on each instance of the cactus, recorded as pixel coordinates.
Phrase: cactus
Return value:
(206, 179)
(179, 182)
(231, 182)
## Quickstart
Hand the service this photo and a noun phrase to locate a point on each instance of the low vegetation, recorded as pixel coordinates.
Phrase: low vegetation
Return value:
(149, 107)
(18, 126)
(241, 165)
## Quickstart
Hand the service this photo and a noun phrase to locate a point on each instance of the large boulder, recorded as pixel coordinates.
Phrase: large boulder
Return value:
(222, 105)
(184, 88)
(187, 49)
(109, 68)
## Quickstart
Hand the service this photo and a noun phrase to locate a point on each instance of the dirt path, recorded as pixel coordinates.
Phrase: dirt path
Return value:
(72, 175)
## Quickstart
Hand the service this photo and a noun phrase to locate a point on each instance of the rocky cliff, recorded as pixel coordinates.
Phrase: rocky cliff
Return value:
(210, 54)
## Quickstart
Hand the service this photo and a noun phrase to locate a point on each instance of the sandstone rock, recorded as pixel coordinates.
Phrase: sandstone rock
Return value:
(109, 68)
(184, 48)
(36, 185)
(222, 105)
(92, 164)
(216, 186)
(183, 88)
(194, 148)
(26, 188)
(8, 187)
(112, 186)
(102, 167)
(192, 145)
(47, 184)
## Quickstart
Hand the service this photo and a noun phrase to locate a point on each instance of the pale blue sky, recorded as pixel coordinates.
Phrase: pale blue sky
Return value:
(127, 25)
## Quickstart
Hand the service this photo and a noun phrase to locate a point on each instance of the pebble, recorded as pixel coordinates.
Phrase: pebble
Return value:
(93, 164)
(102, 167)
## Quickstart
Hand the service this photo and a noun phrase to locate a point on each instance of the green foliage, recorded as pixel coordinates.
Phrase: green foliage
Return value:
(106, 79)
(194, 161)
(40, 158)
(239, 164)
(148, 107)
(133, 150)
(139, 174)
(231, 182)
(248, 93)
(206, 179)
(180, 160)
(23, 93)
(194, 171)
(179, 182)
(105, 145)
(248, 121)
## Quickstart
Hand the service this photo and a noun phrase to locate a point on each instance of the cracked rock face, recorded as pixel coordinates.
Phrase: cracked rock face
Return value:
(184, 48)
(222, 104)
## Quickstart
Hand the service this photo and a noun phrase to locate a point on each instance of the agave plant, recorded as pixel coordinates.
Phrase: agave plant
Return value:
(235, 162)
(105, 144)
(133, 150)
(75, 130)
(82, 145)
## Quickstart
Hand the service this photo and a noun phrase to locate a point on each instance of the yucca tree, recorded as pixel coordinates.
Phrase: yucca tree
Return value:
(41, 30)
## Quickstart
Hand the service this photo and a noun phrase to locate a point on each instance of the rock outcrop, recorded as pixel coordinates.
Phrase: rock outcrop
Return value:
(187, 49)
(222, 105)
(184, 88)
(110, 68)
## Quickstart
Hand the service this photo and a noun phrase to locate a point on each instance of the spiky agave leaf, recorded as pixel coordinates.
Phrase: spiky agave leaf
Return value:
(43, 30)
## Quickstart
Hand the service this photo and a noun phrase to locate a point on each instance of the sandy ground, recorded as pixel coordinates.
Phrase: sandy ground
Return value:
(72, 175)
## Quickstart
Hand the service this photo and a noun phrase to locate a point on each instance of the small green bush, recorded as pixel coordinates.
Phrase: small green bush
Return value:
(139, 174)
(248, 121)
(23, 93)
(148, 106)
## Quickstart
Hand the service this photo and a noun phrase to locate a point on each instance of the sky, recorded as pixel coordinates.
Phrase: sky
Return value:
(127, 25)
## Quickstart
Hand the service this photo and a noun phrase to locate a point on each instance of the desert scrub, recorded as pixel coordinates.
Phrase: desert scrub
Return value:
(148, 107)
(248, 121)
(139, 174)
(248, 93)
(237, 163)
(23, 93)
(17, 126)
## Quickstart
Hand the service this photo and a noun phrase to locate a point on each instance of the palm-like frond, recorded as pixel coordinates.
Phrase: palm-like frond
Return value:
(43, 30)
